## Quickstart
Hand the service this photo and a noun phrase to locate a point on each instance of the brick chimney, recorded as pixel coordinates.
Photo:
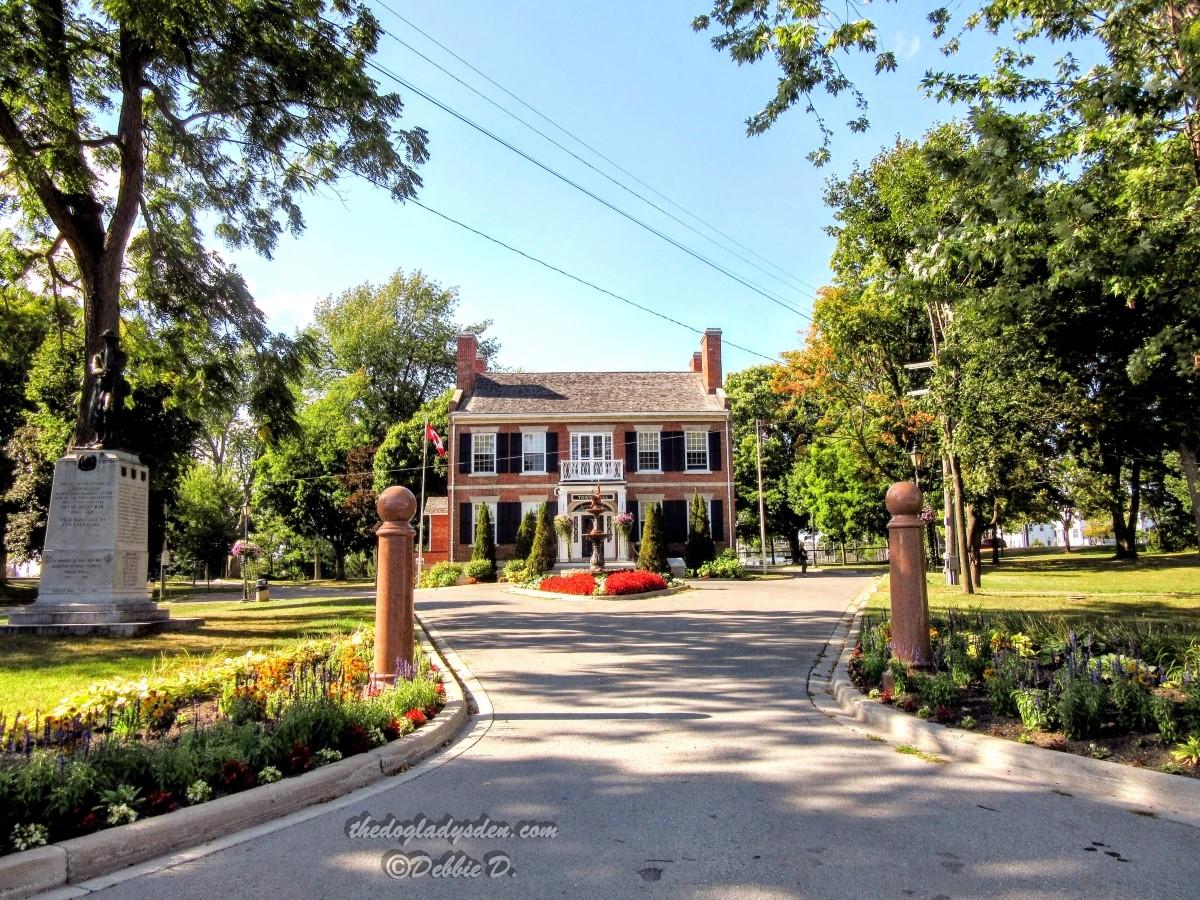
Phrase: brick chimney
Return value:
(480, 365)
(467, 358)
(710, 359)
(697, 366)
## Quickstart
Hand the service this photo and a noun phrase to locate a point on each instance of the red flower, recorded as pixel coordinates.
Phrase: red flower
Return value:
(299, 759)
(236, 776)
(886, 697)
(161, 802)
(416, 717)
(582, 584)
(355, 739)
(633, 582)
(393, 729)
(439, 689)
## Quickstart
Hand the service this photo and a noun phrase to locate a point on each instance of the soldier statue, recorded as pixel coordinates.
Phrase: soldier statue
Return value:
(105, 370)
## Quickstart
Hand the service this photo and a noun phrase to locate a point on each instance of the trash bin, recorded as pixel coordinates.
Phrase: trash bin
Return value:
(262, 591)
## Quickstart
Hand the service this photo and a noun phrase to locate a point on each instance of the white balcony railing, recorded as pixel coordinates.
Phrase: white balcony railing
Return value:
(592, 469)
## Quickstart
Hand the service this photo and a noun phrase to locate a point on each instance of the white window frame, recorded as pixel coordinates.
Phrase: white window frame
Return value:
(606, 443)
(530, 442)
(475, 518)
(653, 440)
(688, 451)
(476, 439)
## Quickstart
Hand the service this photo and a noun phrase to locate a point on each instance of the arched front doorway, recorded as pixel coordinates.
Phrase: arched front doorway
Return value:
(581, 524)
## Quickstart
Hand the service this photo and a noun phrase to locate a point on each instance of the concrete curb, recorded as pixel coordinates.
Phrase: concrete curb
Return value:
(80, 859)
(529, 592)
(1139, 791)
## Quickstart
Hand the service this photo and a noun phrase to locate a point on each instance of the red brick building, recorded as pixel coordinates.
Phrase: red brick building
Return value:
(436, 533)
(521, 439)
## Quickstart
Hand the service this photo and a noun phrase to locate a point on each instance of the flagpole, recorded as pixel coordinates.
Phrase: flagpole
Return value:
(421, 507)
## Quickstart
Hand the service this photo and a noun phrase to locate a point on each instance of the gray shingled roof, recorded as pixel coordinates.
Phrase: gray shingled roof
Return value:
(589, 392)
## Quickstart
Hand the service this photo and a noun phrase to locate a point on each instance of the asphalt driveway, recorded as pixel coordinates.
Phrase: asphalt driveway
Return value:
(672, 744)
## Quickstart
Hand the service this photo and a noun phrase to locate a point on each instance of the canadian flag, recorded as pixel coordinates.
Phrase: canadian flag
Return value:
(436, 440)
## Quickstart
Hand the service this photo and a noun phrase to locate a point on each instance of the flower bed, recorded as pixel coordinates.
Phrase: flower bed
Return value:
(1095, 692)
(126, 749)
(633, 581)
(585, 584)
(580, 583)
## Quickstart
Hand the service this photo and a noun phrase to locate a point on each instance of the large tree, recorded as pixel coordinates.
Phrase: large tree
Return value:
(173, 114)
(398, 340)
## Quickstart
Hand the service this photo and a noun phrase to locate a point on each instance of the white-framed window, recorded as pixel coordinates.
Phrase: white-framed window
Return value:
(649, 451)
(695, 446)
(643, 510)
(533, 452)
(483, 454)
(591, 446)
(475, 519)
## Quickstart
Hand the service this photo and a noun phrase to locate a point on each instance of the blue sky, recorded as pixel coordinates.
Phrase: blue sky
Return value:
(634, 81)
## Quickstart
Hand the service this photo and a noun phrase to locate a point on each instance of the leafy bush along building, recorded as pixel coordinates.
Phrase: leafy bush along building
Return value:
(518, 440)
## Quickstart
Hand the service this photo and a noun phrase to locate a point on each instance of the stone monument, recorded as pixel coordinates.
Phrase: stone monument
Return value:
(95, 561)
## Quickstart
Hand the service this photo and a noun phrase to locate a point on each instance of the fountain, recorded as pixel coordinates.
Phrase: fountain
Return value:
(597, 535)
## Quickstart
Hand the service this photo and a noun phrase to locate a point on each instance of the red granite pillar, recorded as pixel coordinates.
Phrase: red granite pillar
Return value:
(394, 583)
(906, 562)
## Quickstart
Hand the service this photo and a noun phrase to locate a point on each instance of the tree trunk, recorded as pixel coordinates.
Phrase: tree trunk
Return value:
(1187, 458)
(842, 548)
(1068, 519)
(339, 564)
(975, 527)
(317, 564)
(1125, 530)
(995, 525)
(793, 539)
(968, 579)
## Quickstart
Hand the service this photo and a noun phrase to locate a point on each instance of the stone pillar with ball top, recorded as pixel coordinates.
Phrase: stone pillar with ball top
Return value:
(906, 565)
(394, 585)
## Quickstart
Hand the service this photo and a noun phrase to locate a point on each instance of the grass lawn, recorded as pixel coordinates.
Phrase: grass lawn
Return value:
(36, 672)
(1163, 587)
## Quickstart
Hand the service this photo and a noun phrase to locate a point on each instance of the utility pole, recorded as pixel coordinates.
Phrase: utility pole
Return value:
(762, 513)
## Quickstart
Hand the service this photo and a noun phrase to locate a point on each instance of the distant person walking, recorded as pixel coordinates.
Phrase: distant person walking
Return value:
(802, 559)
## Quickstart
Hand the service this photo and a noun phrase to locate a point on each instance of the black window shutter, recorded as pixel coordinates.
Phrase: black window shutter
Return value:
(675, 515)
(714, 451)
(672, 451)
(631, 451)
(508, 520)
(552, 452)
(502, 461)
(635, 528)
(464, 453)
(464, 523)
(717, 524)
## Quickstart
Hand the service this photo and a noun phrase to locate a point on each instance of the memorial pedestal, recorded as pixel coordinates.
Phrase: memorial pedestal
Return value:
(95, 560)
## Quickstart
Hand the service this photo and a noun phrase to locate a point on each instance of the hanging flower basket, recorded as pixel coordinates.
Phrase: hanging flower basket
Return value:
(562, 524)
(246, 550)
(624, 523)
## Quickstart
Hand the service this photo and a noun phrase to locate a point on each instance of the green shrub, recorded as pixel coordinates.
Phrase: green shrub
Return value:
(873, 667)
(726, 565)
(480, 569)
(905, 680)
(443, 574)
(1081, 707)
(514, 571)
(525, 535)
(1001, 690)
(700, 548)
(940, 690)
(653, 555)
(1163, 712)
(485, 541)
(545, 544)
(1131, 704)
(1035, 708)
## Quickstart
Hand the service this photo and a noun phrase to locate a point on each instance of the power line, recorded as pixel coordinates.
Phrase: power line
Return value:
(579, 141)
(552, 171)
(590, 165)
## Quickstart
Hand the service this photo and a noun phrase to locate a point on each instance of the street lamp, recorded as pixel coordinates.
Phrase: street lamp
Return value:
(245, 539)
(918, 460)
